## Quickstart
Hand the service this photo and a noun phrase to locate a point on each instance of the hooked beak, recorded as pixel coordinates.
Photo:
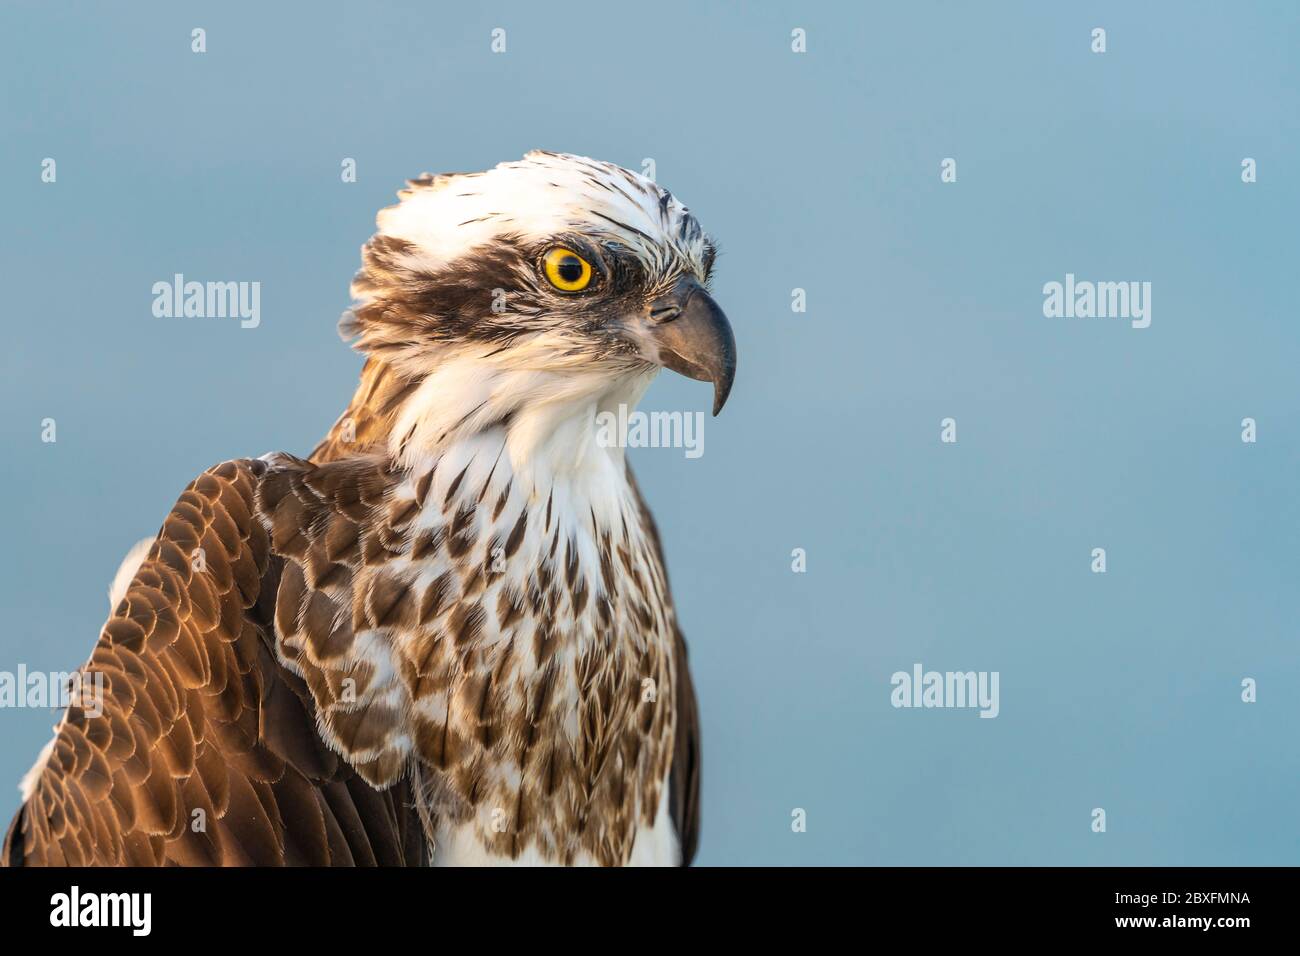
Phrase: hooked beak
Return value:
(693, 337)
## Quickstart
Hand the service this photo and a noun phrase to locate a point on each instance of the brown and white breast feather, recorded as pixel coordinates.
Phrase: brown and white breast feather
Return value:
(515, 650)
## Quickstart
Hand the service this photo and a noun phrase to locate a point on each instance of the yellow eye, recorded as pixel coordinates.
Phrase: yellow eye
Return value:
(566, 270)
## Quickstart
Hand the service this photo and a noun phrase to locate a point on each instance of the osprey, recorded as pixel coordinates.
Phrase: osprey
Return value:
(446, 636)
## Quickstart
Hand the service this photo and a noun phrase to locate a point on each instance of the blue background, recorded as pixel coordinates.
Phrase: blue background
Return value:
(818, 171)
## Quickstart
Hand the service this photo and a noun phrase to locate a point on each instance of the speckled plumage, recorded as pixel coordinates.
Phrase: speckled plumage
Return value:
(451, 615)
(447, 635)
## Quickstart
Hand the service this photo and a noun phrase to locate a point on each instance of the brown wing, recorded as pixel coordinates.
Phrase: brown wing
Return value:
(684, 778)
(202, 749)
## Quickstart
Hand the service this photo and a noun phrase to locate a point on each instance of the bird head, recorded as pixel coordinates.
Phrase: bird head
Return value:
(540, 273)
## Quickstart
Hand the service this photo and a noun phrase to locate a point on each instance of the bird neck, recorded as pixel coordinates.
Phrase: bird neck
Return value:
(545, 424)
(367, 422)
